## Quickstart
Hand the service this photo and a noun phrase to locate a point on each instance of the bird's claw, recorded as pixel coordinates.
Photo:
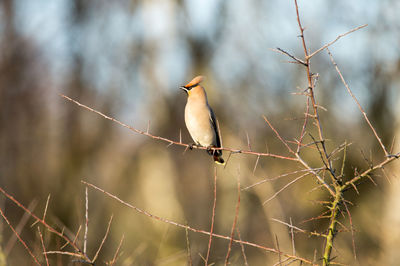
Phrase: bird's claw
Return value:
(191, 145)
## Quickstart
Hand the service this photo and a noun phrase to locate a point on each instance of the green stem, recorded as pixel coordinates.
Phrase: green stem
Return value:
(332, 227)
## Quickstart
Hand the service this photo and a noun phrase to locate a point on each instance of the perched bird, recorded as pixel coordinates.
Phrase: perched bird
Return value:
(200, 119)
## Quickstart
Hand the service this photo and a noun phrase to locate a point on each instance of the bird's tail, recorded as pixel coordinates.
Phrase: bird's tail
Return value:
(218, 159)
(217, 155)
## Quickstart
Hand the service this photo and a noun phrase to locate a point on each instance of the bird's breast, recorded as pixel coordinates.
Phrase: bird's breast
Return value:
(198, 123)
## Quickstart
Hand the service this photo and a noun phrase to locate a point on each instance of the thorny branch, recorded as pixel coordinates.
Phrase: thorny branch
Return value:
(337, 187)
(178, 143)
(358, 104)
(212, 217)
(79, 252)
(187, 227)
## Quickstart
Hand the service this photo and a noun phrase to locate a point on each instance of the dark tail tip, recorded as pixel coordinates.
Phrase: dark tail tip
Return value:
(218, 159)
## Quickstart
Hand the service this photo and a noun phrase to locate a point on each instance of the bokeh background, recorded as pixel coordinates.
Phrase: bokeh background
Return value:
(127, 59)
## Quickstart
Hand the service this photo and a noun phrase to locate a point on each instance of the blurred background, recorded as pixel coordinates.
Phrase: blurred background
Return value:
(127, 59)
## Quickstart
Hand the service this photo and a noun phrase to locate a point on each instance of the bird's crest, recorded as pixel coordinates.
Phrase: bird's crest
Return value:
(196, 81)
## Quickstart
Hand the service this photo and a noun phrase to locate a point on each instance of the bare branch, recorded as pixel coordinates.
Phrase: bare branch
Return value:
(278, 135)
(284, 187)
(43, 247)
(320, 179)
(86, 220)
(296, 60)
(51, 229)
(178, 143)
(11, 242)
(242, 248)
(104, 239)
(280, 176)
(190, 262)
(234, 223)
(112, 262)
(367, 172)
(352, 231)
(335, 40)
(358, 104)
(212, 217)
(19, 238)
(298, 229)
(161, 219)
(277, 247)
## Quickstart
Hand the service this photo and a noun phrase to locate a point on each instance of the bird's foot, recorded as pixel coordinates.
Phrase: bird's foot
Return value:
(210, 150)
(191, 145)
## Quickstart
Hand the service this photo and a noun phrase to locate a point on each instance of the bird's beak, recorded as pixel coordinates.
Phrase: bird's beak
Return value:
(184, 88)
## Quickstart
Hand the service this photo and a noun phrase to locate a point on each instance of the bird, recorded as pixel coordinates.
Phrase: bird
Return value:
(200, 119)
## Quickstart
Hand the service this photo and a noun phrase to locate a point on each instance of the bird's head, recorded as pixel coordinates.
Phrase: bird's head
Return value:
(193, 85)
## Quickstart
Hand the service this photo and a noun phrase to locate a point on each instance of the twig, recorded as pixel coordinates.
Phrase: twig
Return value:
(242, 248)
(51, 229)
(352, 231)
(277, 247)
(255, 165)
(86, 220)
(335, 40)
(112, 262)
(19, 238)
(284, 187)
(234, 223)
(75, 238)
(320, 179)
(292, 237)
(311, 86)
(161, 219)
(298, 229)
(248, 141)
(358, 104)
(367, 172)
(72, 254)
(212, 216)
(297, 60)
(169, 141)
(280, 176)
(45, 210)
(189, 255)
(104, 239)
(43, 247)
(19, 227)
(303, 129)
(278, 135)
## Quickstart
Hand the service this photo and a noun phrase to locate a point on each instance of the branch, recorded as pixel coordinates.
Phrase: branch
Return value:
(51, 229)
(164, 220)
(358, 104)
(178, 143)
(311, 86)
(279, 50)
(367, 172)
(212, 217)
(284, 187)
(19, 237)
(335, 40)
(234, 223)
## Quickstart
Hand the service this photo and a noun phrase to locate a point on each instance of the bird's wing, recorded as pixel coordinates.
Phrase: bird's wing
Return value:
(214, 123)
